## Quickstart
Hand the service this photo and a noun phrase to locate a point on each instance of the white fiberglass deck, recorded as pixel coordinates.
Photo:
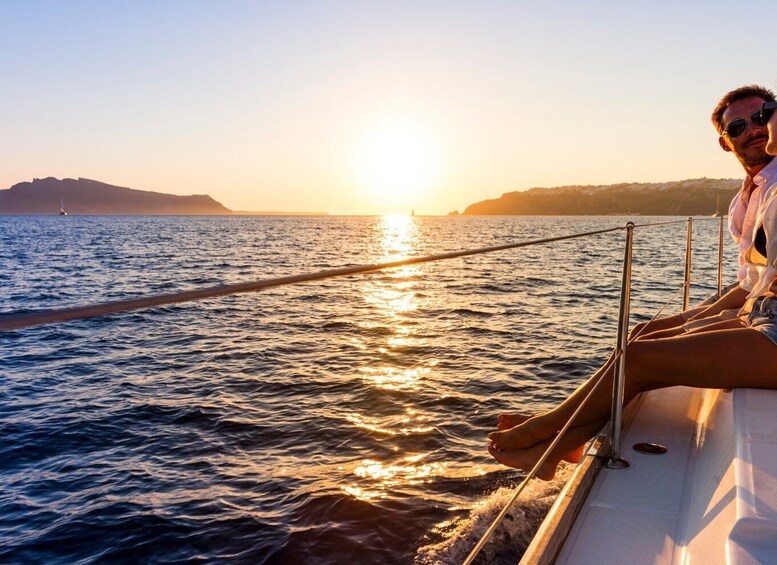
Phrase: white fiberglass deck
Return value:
(712, 498)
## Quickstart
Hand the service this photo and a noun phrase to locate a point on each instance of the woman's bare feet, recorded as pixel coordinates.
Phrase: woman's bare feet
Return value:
(525, 459)
(526, 434)
(508, 421)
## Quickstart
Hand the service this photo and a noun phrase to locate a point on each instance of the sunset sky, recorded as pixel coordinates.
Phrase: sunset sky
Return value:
(371, 107)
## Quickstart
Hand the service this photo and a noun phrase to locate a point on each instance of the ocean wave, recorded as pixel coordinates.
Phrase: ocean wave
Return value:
(511, 537)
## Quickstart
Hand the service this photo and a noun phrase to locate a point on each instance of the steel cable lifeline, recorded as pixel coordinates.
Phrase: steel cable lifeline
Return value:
(15, 321)
(27, 319)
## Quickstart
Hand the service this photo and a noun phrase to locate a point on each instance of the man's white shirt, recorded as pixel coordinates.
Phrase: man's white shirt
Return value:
(742, 215)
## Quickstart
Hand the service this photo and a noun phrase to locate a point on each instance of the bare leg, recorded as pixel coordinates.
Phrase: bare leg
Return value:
(573, 440)
(723, 324)
(674, 322)
(729, 358)
(671, 332)
(730, 324)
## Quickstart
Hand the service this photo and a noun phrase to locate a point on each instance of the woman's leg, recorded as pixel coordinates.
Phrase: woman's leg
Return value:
(729, 358)
(728, 324)
(537, 427)
(672, 323)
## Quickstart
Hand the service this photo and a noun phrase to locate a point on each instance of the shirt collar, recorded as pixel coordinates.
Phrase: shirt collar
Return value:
(767, 175)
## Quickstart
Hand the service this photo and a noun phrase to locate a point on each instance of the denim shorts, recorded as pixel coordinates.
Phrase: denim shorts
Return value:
(764, 317)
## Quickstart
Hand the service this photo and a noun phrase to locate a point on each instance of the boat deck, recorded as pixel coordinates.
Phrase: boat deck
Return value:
(711, 498)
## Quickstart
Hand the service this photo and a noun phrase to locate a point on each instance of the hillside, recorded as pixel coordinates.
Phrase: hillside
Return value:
(84, 196)
(679, 198)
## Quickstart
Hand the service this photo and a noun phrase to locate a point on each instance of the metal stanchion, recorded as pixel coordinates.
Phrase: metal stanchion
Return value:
(687, 283)
(616, 421)
(720, 258)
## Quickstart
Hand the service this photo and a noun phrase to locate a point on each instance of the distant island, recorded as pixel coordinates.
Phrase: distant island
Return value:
(694, 197)
(85, 196)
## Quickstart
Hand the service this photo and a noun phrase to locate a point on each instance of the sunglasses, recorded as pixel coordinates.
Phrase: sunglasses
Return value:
(738, 126)
(767, 110)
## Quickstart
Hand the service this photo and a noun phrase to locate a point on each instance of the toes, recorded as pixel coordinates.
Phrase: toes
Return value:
(498, 455)
(506, 421)
(493, 436)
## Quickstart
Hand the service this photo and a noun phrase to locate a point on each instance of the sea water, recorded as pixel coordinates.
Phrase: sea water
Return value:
(341, 421)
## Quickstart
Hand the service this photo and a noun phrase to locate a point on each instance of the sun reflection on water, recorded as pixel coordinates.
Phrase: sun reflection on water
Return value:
(398, 233)
(372, 479)
(405, 364)
(409, 470)
(395, 378)
(392, 295)
(410, 423)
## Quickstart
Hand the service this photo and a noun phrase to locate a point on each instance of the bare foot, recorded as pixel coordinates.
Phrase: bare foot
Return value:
(507, 421)
(525, 459)
(523, 435)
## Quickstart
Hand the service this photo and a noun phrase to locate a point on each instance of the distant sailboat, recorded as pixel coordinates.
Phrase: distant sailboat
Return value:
(717, 209)
(62, 207)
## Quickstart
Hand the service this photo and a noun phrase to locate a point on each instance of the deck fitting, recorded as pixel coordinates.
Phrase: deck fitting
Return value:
(650, 448)
(617, 464)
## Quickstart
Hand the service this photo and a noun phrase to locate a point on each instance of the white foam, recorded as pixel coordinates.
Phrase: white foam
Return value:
(513, 534)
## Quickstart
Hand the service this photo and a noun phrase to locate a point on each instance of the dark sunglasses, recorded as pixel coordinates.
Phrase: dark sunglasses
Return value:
(738, 126)
(767, 110)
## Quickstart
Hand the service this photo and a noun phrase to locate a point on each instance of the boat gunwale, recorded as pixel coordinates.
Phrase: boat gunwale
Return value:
(555, 528)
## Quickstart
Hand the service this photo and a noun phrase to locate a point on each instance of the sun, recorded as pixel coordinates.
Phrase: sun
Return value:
(397, 162)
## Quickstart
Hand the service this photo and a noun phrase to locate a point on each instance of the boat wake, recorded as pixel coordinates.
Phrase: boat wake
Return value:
(513, 534)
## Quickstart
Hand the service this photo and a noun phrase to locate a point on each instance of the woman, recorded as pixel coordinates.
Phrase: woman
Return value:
(770, 108)
(734, 353)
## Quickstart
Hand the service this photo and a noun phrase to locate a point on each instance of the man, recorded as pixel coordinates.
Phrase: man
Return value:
(742, 131)
(720, 353)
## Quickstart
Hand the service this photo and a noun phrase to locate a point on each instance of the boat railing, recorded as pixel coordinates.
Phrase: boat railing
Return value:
(21, 320)
(613, 438)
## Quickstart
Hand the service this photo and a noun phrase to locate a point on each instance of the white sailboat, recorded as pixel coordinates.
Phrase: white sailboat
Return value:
(62, 207)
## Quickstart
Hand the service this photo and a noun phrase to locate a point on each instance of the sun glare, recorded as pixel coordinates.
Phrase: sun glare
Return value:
(397, 162)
